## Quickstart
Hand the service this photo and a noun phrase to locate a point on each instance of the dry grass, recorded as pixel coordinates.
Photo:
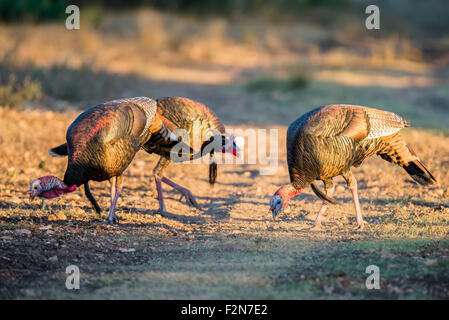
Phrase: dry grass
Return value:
(160, 54)
(163, 46)
(15, 95)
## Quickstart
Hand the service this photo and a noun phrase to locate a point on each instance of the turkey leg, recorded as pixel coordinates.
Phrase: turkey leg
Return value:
(329, 188)
(190, 198)
(158, 172)
(116, 188)
(358, 212)
(352, 184)
(160, 194)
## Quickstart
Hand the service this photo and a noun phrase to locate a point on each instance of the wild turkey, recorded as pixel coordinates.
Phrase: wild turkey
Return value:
(328, 141)
(101, 143)
(196, 119)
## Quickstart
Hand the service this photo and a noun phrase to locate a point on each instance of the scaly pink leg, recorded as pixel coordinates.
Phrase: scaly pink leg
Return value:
(352, 184)
(184, 191)
(358, 211)
(160, 195)
(115, 193)
(317, 224)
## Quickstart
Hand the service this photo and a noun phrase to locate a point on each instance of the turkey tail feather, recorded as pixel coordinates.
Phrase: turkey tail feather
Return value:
(213, 170)
(419, 173)
(59, 151)
(322, 195)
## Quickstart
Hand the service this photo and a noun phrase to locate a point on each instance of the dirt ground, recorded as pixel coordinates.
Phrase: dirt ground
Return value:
(230, 248)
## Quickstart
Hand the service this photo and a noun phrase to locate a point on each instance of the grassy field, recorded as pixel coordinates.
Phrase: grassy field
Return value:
(231, 248)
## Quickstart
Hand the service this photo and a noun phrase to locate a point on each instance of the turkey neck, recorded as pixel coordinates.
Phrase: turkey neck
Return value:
(287, 192)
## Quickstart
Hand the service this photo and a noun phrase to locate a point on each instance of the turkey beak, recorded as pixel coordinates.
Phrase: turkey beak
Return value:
(275, 209)
(273, 212)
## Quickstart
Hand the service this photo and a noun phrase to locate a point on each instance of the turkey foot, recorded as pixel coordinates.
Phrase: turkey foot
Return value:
(112, 219)
(160, 196)
(359, 226)
(316, 226)
(116, 188)
(162, 211)
(352, 184)
(190, 198)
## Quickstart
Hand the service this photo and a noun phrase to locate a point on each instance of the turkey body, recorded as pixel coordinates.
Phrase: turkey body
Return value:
(103, 140)
(195, 118)
(326, 142)
(201, 126)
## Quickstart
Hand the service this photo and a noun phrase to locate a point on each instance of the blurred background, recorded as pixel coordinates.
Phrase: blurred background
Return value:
(254, 61)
